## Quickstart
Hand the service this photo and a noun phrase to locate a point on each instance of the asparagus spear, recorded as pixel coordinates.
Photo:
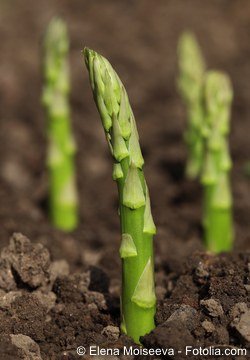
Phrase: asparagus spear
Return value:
(190, 84)
(61, 146)
(137, 226)
(218, 223)
(246, 169)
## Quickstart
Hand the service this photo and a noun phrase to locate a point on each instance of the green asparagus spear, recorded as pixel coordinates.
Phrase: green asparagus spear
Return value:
(246, 169)
(190, 84)
(218, 222)
(61, 146)
(137, 226)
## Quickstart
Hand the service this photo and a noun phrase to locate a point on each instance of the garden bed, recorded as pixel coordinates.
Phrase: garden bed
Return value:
(72, 298)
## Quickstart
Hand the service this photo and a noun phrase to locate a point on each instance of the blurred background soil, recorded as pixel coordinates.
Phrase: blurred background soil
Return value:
(60, 311)
(140, 39)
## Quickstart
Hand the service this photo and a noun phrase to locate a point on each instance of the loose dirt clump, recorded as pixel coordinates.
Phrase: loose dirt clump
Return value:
(198, 313)
(46, 312)
(53, 312)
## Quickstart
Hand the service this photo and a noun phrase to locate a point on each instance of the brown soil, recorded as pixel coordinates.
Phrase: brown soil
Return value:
(71, 295)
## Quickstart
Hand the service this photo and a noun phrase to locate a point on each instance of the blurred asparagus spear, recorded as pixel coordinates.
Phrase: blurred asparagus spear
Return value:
(137, 226)
(246, 169)
(61, 146)
(218, 222)
(190, 84)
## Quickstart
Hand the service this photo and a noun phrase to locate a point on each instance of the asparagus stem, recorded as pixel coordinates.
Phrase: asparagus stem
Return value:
(246, 169)
(217, 218)
(61, 146)
(190, 84)
(137, 226)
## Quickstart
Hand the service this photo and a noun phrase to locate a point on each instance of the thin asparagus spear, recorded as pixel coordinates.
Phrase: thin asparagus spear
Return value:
(190, 84)
(61, 146)
(246, 169)
(137, 226)
(218, 222)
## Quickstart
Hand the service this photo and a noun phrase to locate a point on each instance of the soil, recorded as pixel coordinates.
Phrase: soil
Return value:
(61, 290)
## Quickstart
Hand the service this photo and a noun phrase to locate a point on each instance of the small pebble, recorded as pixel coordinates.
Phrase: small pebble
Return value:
(97, 298)
(238, 309)
(185, 315)
(213, 307)
(8, 298)
(112, 332)
(208, 326)
(201, 270)
(242, 325)
(28, 348)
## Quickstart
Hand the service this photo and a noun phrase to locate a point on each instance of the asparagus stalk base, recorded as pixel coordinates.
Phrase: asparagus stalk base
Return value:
(136, 320)
(218, 224)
